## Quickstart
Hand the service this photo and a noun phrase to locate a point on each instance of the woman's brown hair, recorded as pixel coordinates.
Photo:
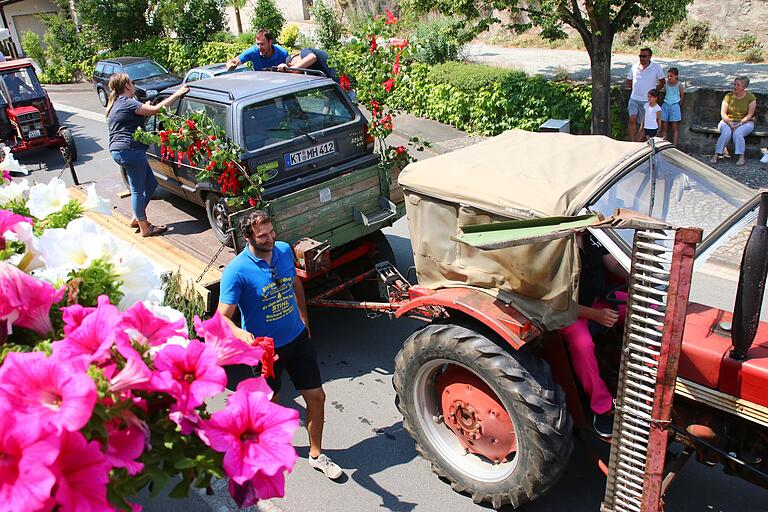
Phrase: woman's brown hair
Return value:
(117, 84)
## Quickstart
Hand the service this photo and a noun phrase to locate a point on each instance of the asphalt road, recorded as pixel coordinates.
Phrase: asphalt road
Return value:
(364, 432)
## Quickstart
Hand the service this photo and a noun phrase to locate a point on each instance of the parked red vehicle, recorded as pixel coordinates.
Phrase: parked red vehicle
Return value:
(27, 117)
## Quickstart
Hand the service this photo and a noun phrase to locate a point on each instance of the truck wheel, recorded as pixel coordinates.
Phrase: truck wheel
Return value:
(103, 98)
(217, 211)
(69, 149)
(492, 422)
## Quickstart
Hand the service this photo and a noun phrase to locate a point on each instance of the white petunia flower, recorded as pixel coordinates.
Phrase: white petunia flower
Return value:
(182, 341)
(30, 259)
(13, 191)
(141, 278)
(10, 163)
(47, 198)
(76, 246)
(96, 203)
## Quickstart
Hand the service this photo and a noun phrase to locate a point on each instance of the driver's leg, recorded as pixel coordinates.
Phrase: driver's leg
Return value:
(582, 349)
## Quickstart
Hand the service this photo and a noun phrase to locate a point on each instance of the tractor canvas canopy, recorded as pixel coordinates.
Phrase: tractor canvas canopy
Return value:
(514, 176)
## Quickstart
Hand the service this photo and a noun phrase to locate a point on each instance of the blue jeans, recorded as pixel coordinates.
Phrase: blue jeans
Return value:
(141, 180)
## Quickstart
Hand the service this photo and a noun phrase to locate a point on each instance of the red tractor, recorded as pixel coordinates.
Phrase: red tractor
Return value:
(27, 117)
(487, 390)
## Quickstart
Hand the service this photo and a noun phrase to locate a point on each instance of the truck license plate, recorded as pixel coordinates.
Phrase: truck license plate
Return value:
(307, 154)
(33, 133)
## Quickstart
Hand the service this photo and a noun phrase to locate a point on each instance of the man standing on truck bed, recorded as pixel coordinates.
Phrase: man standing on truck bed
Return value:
(261, 281)
(264, 54)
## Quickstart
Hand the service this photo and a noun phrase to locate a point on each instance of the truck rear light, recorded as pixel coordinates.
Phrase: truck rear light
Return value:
(369, 139)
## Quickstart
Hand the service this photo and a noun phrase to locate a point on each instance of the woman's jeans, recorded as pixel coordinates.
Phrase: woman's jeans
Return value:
(141, 180)
(738, 135)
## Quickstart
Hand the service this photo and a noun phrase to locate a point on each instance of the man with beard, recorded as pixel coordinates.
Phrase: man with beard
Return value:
(261, 281)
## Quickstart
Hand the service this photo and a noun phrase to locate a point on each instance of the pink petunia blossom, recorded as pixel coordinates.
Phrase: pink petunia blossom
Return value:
(9, 222)
(6, 175)
(49, 388)
(134, 375)
(82, 475)
(149, 328)
(231, 350)
(97, 333)
(26, 454)
(260, 487)
(187, 423)
(73, 316)
(27, 298)
(194, 371)
(253, 433)
(125, 444)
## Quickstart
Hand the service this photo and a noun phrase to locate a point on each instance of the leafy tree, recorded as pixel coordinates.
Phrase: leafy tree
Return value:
(193, 21)
(596, 21)
(118, 23)
(267, 15)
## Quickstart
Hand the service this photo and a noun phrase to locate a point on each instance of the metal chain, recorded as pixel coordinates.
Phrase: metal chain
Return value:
(210, 263)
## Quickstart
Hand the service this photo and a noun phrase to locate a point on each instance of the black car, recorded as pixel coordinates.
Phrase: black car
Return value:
(303, 129)
(148, 76)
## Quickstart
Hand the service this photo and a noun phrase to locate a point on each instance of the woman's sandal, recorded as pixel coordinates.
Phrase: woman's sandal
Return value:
(155, 230)
(135, 225)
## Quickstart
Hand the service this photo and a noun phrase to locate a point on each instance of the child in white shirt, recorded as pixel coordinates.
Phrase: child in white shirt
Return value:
(652, 118)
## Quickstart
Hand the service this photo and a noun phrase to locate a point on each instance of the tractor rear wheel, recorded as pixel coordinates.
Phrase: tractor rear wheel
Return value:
(68, 149)
(491, 421)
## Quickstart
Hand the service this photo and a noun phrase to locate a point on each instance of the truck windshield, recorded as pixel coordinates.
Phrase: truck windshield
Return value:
(294, 115)
(22, 85)
(685, 193)
(144, 69)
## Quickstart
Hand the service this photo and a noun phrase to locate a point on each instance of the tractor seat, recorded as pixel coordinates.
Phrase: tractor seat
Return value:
(705, 356)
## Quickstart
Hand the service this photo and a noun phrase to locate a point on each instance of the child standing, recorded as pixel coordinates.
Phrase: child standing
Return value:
(652, 115)
(671, 108)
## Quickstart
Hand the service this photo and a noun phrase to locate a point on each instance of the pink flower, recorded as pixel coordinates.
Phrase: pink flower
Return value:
(260, 487)
(8, 222)
(151, 329)
(73, 316)
(389, 84)
(253, 433)
(344, 82)
(391, 19)
(125, 444)
(94, 337)
(48, 388)
(194, 372)
(82, 474)
(6, 175)
(268, 359)
(187, 423)
(230, 350)
(134, 375)
(27, 298)
(26, 454)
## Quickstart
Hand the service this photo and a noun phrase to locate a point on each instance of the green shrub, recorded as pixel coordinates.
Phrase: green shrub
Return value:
(752, 55)
(246, 37)
(193, 21)
(329, 25)
(305, 41)
(155, 48)
(212, 53)
(33, 48)
(222, 36)
(747, 42)
(692, 35)
(439, 40)
(469, 76)
(289, 35)
(267, 15)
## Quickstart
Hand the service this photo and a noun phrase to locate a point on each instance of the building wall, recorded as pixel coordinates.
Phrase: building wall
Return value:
(22, 12)
(293, 10)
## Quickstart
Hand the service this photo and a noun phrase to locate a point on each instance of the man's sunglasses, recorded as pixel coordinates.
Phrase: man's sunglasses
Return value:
(644, 56)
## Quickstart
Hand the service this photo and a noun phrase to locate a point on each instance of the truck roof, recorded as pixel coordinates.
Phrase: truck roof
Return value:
(248, 83)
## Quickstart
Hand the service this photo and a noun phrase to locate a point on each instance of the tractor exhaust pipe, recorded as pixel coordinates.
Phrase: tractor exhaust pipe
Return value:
(752, 276)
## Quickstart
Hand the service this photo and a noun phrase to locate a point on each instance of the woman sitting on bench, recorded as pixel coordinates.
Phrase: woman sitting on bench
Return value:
(737, 119)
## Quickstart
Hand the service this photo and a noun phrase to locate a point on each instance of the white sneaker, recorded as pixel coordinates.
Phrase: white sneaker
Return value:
(764, 159)
(326, 465)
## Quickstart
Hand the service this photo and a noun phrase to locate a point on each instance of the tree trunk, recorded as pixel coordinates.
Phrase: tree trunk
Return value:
(239, 23)
(600, 58)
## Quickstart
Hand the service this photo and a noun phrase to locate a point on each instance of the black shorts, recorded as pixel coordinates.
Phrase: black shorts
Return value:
(299, 359)
(651, 132)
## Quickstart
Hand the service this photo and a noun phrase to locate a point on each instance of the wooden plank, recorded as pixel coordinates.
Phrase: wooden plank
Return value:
(158, 249)
(742, 408)
(312, 201)
(333, 214)
(300, 196)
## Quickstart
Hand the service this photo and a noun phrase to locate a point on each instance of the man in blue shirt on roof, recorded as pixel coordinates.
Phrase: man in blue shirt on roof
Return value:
(262, 55)
(261, 281)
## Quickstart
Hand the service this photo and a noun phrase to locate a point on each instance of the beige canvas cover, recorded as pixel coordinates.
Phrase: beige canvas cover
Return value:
(516, 175)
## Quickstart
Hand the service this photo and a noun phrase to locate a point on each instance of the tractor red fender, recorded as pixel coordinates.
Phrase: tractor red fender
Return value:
(503, 319)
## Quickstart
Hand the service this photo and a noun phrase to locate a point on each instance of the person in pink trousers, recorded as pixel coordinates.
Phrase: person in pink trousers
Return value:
(597, 265)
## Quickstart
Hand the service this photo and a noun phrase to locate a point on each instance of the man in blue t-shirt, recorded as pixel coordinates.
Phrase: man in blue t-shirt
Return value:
(262, 55)
(261, 281)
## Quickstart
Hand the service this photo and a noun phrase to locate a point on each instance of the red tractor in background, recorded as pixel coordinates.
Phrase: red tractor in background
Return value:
(27, 117)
